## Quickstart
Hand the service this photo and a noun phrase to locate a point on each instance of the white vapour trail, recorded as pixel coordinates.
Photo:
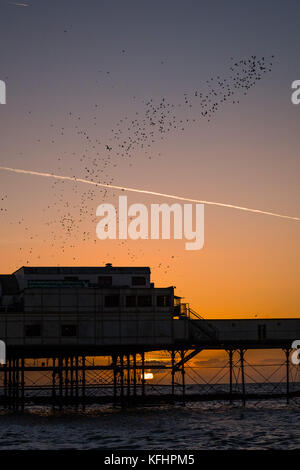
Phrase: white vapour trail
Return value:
(144, 191)
(19, 4)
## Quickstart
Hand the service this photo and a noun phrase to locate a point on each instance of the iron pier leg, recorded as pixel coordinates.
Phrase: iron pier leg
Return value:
(71, 377)
(14, 382)
(173, 374)
(17, 383)
(230, 373)
(66, 378)
(183, 377)
(114, 364)
(83, 382)
(53, 383)
(76, 379)
(128, 375)
(17, 367)
(60, 372)
(143, 373)
(122, 378)
(9, 383)
(287, 355)
(243, 376)
(5, 385)
(134, 375)
(22, 383)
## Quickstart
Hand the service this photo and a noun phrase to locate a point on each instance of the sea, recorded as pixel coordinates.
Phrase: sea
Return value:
(261, 424)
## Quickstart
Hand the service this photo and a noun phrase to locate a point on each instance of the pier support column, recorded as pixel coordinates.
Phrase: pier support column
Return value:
(13, 387)
(173, 373)
(287, 364)
(60, 378)
(122, 378)
(72, 376)
(114, 360)
(134, 375)
(183, 377)
(22, 383)
(143, 373)
(5, 384)
(9, 383)
(53, 383)
(230, 353)
(17, 384)
(13, 372)
(242, 358)
(83, 382)
(76, 380)
(128, 375)
(66, 378)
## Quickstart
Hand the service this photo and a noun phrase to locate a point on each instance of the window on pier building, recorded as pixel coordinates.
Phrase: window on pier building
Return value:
(32, 330)
(130, 301)
(68, 330)
(163, 301)
(111, 300)
(105, 281)
(138, 281)
(144, 301)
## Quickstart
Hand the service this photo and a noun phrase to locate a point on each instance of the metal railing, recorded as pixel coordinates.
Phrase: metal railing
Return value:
(185, 311)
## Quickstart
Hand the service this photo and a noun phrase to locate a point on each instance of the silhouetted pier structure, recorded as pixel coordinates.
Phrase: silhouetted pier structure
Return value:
(81, 336)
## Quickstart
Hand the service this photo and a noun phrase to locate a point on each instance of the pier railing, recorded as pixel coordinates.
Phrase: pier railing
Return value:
(197, 323)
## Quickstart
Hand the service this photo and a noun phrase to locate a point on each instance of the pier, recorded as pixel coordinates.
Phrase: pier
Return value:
(82, 336)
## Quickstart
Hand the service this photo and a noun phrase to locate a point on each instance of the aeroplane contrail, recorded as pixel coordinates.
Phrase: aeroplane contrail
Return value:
(19, 4)
(144, 191)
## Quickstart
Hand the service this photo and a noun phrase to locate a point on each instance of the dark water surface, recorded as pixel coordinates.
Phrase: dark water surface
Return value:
(264, 425)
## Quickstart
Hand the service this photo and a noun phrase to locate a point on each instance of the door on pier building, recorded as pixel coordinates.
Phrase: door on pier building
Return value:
(261, 332)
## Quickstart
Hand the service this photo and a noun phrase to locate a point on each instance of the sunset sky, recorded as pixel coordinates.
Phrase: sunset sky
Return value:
(76, 71)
